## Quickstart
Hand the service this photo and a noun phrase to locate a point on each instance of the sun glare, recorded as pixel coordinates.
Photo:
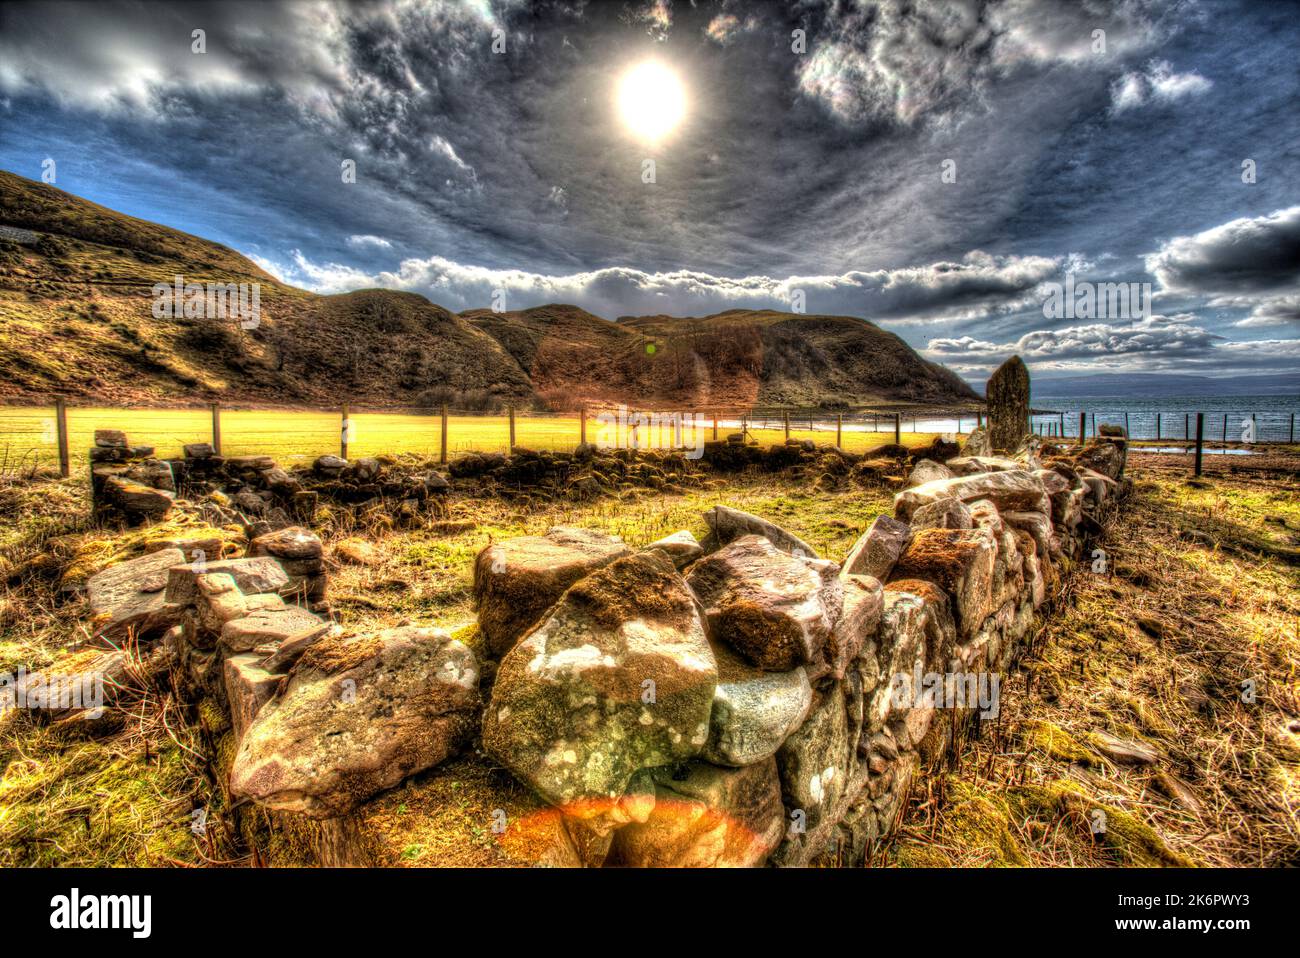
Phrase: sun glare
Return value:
(651, 100)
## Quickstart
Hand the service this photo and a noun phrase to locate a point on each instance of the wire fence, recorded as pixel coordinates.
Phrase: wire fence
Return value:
(30, 436)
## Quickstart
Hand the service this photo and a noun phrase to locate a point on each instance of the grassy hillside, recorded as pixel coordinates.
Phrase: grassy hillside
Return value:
(77, 323)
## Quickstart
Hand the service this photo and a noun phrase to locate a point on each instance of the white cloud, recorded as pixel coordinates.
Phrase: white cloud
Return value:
(977, 285)
(363, 241)
(1157, 84)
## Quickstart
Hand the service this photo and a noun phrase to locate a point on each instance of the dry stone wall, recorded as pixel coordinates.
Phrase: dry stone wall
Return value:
(738, 701)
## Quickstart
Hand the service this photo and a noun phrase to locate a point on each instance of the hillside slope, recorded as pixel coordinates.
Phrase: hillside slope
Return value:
(77, 318)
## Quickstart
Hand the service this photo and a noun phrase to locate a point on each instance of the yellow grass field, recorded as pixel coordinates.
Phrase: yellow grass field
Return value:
(28, 435)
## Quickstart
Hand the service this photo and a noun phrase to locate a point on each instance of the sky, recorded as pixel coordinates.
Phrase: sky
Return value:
(943, 170)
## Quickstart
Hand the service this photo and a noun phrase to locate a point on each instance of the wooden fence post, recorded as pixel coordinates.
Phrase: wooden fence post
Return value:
(1200, 439)
(345, 428)
(1126, 424)
(442, 458)
(216, 428)
(61, 432)
(512, 428)
(582, 426)
(1083, 426)
(839, 430)
(1225, 428)
(898, 430)
(715, 425)
(1157, 427)
(1292, 439)
(787, 424)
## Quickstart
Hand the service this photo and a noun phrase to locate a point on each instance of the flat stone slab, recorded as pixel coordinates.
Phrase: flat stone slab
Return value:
(875, 553)
(132, 595)
(272, 626)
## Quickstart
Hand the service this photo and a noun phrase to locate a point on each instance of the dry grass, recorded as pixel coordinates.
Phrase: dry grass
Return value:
(1197, 602)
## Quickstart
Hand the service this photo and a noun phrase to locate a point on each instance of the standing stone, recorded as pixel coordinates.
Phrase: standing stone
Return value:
(1007, 394)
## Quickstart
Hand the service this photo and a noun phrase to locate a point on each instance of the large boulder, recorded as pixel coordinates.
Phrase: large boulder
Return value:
(753, 711)
(357, 716)
(879, 548)
(1014, 490)
(776, 609)
(706, 817)
(727, 524)
(131, 596)
(961, 562)
(618, 677)
(517, 580)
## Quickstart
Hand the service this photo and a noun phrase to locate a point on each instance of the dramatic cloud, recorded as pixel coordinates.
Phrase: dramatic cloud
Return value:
(929, 166)
(978, 285)
(1248, 263)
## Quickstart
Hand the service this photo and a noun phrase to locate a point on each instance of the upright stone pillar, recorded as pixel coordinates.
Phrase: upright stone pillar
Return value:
(1007, 394)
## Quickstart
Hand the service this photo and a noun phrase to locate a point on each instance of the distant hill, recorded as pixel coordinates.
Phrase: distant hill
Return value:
(1160, 385)
(77, 323)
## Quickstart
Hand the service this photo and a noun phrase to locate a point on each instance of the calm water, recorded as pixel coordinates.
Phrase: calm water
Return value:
(1176, 417)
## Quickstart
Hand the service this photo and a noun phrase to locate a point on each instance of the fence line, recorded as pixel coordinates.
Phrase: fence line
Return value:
(28, 438)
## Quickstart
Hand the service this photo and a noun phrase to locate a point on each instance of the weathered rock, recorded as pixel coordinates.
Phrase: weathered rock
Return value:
(154, 473)
(220, 601)
(131, 596)
(110, 439)
(517, 580)
(948, 513)
(329, 465)
(294, 543)
(1123, 751)
(357, 716)
(1007, 393)
(617, 678)
(248, 688)
(857, 623)
(272, 626)
(1018, 491)
(356, 552)
(753, 711)
(814, 760)
(879, 548)
(727, 524)
(971, 465)
(706, 817)
(251, 576)
(926, 471)
(682, 548)
(960, 561)
(977, 444)
(1105, 456)
(137, 500)
(776, 609)
(198, 450)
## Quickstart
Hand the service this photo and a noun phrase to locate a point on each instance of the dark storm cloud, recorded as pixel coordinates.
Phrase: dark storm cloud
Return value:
(815, 171)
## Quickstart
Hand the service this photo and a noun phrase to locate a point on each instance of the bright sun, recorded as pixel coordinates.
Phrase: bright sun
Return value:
(651, 100)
